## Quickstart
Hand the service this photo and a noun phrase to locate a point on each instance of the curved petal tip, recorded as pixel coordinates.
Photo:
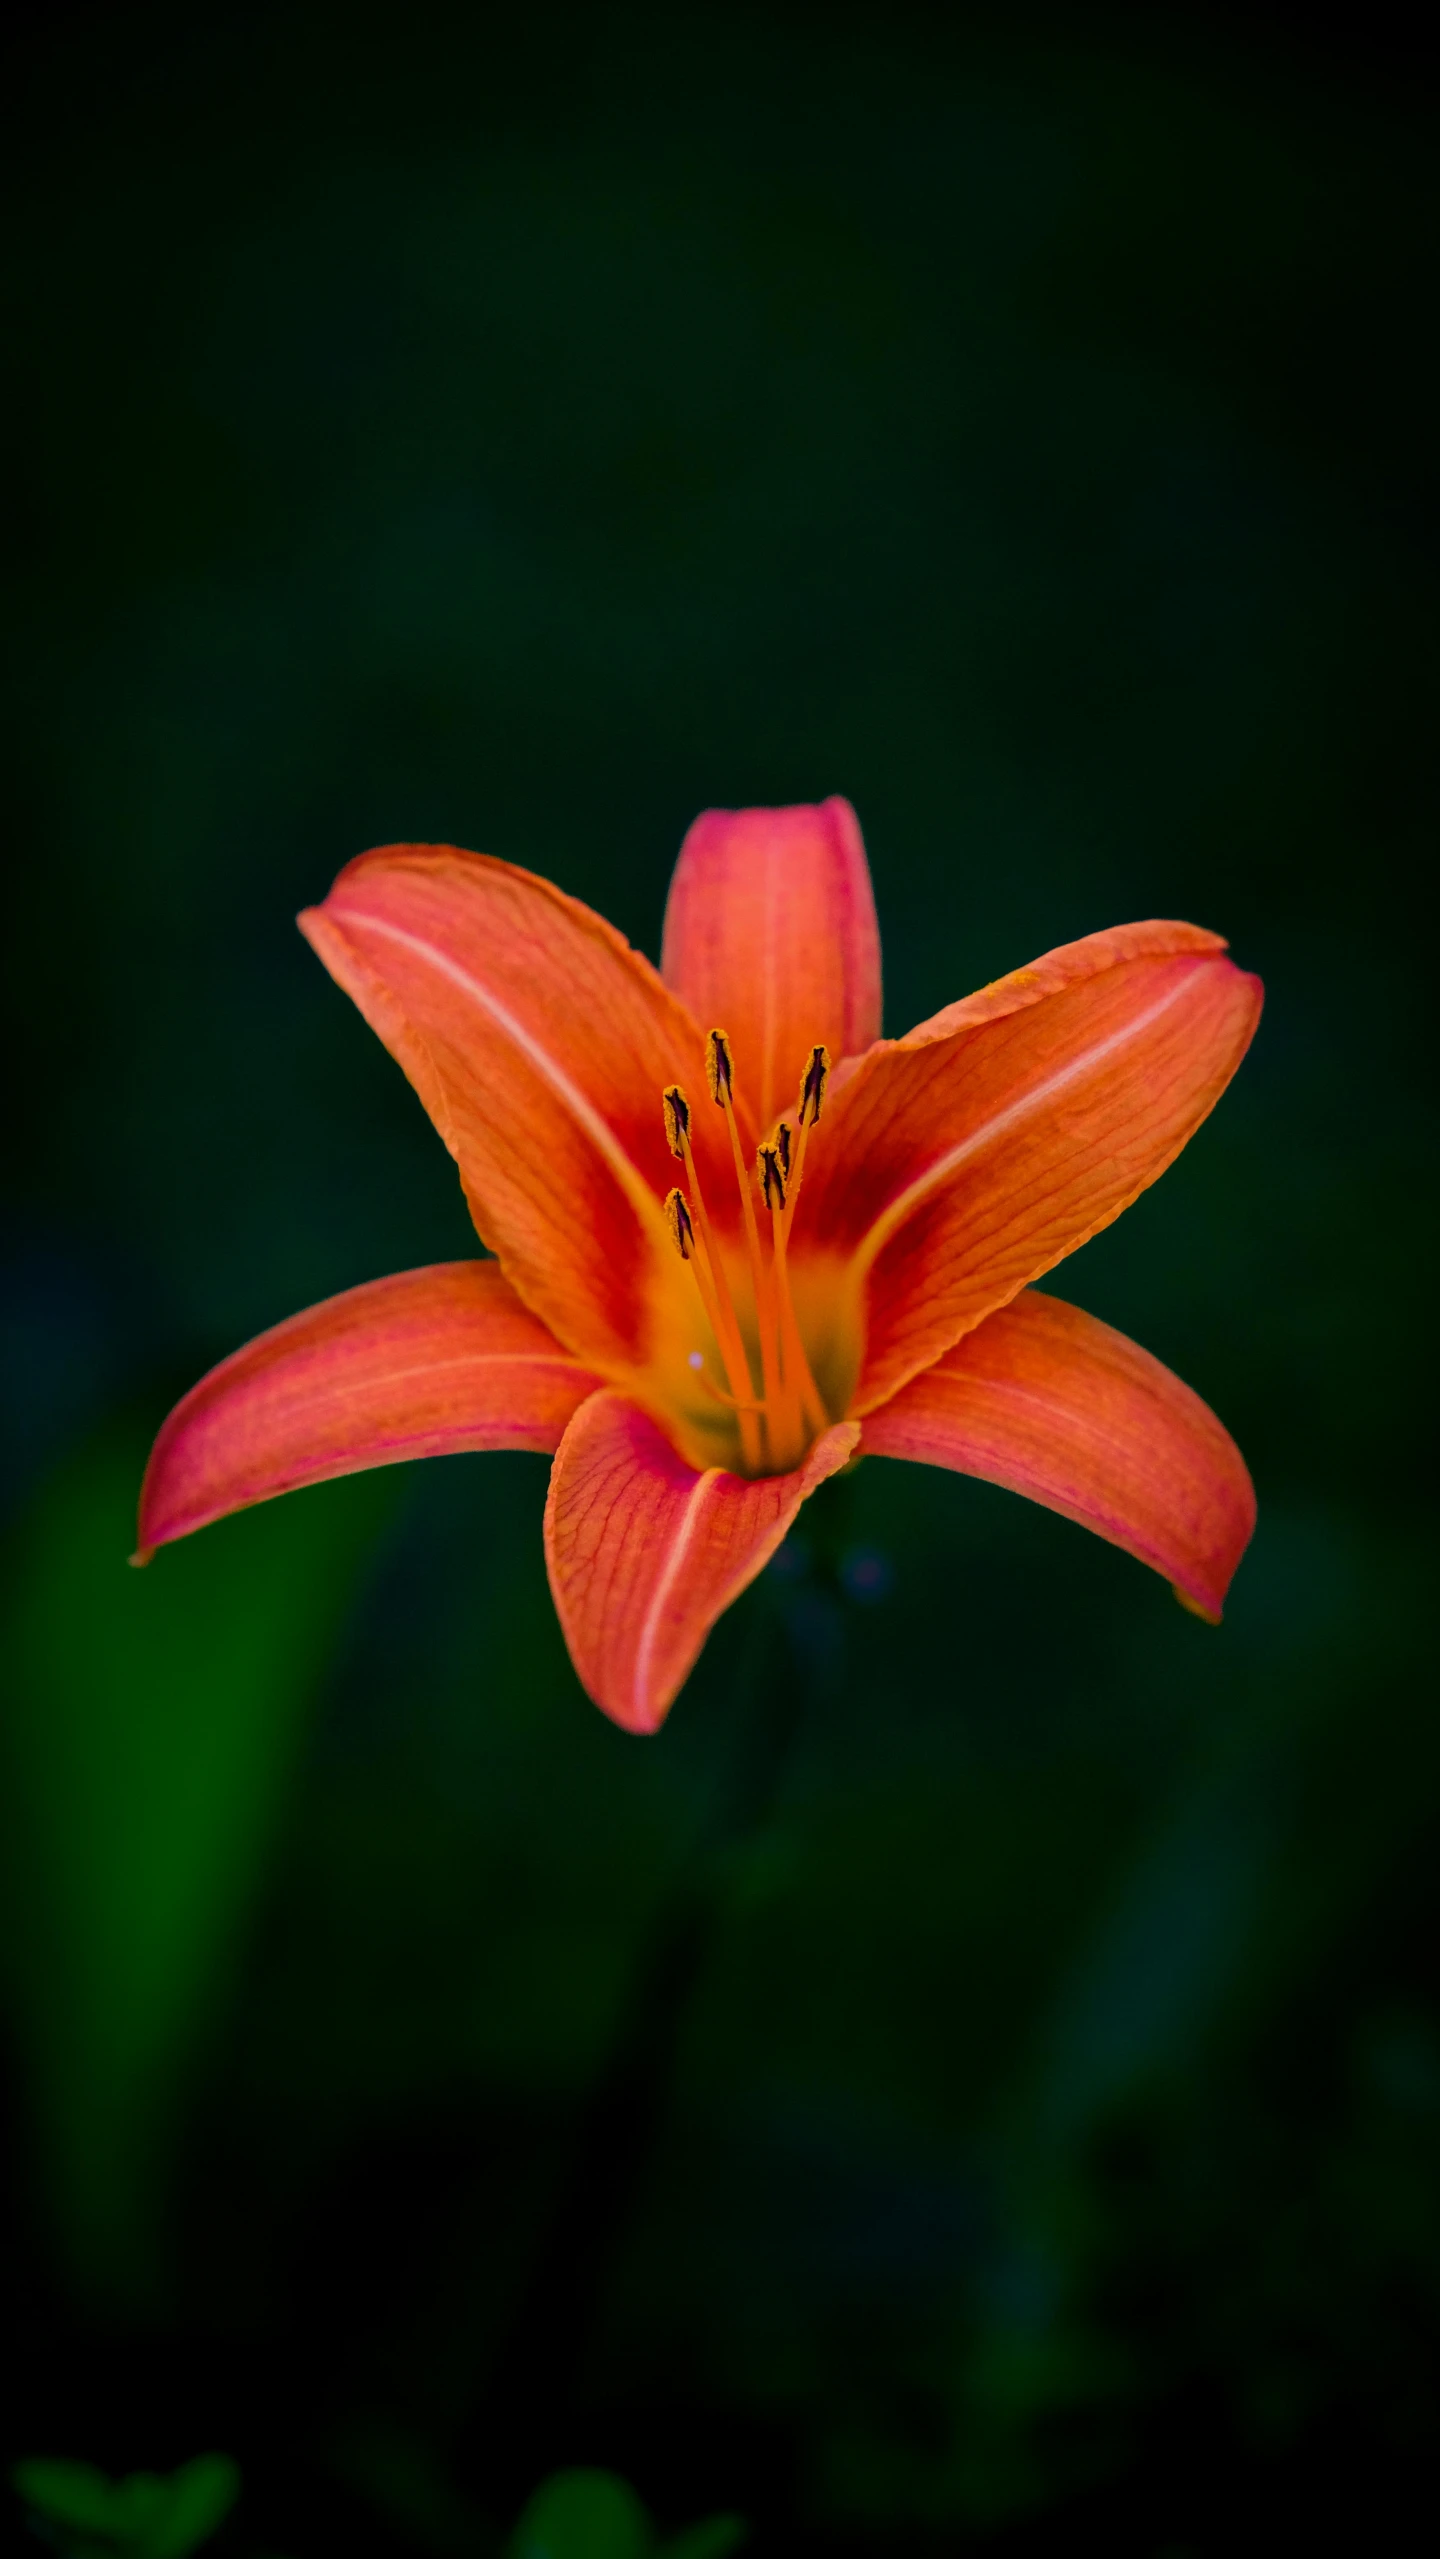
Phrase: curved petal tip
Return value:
(644, 1552)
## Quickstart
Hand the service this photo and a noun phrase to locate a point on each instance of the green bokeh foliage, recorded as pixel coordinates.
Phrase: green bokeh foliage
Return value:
(143, 2515)
(590, 2514)
(152, 1726)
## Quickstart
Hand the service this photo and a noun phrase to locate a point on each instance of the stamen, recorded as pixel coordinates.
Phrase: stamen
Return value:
(677, 1130)
(804, 1410)
(721, 1072)
(677, 1119)
(776, 1425)
(709, 1270)
(812, 1090)
(732, 1403)
(772, 1177)
(812, 1098)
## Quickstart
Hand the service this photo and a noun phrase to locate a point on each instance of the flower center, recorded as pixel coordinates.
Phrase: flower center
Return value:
(779, 1414)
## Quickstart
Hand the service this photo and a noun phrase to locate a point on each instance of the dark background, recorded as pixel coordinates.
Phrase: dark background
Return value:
(976, 2076)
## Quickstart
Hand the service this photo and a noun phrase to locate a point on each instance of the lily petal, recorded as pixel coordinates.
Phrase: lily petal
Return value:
(539, 1043)
(770, 931)
(645, 1552)
(420, 1365)
(1057, 969)
(1053, 1404)
(964, 1162)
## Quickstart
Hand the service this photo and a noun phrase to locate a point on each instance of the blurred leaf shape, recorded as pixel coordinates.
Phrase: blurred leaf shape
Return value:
(151, 1722)
(709, 2540)
(150, 2516)
(590, 2514)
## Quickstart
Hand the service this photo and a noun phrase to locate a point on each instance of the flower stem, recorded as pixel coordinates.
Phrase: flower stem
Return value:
(539, 2368)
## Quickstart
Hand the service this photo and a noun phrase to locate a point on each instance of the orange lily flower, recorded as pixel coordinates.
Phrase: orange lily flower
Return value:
(740, 1237)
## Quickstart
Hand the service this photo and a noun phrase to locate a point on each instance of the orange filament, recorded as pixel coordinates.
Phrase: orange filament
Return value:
(799, 1385)
(717, 1394)
(777, 1425)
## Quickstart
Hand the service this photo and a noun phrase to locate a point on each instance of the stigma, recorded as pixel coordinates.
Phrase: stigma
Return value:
(779, 1413)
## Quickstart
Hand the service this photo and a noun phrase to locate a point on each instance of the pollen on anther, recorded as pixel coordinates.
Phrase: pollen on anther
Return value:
(677, 1120)
(678, 1219)
(812, 1090)
(783, 1142)
(772, 1183)
(719, 1071)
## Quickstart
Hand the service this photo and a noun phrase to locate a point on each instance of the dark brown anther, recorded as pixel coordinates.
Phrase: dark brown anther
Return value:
(782, 1147)
(718, 1067)
(812, 1091)
(772, 1180)
(678, 1219)
(677, 1120)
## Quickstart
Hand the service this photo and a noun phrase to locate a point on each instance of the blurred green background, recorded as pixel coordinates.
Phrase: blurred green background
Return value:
(975, 2078)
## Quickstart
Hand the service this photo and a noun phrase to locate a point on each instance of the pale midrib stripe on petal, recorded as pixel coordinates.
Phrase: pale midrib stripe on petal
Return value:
(914, 1193)
(582, 1110)
(433, 1368)
(1033, 1399)
(682, 1542)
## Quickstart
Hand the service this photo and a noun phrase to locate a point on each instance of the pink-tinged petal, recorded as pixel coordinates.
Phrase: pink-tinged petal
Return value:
(420, 1365)
(958, 1165)
(645, 1553)
(770, 932)
(540, 1044)
(1052, 1404)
